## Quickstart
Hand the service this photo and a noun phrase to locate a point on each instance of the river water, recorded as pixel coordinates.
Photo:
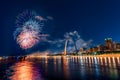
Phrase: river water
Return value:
(61, 68)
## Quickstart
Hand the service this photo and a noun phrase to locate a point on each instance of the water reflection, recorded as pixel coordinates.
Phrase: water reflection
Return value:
(25, 71)
(98, 67)
(67, 68)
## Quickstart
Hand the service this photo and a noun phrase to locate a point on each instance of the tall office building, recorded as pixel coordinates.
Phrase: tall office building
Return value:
(108, 45)
(100, 48)
(116, 46)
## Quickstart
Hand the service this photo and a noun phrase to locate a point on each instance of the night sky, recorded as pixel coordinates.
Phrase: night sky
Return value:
(93, 19)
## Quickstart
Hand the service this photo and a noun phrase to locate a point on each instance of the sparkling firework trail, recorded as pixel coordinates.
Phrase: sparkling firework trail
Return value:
(28, 30)
(27, 39)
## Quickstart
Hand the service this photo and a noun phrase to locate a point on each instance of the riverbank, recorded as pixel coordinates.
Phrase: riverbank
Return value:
(108, 55)
(58, 56)
(38, 56)
(101, 55)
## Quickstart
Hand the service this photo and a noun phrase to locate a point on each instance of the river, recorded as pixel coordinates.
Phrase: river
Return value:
(61, 68)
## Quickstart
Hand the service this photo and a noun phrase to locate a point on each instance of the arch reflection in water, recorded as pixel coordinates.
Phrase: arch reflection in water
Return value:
(65, 67)
(25, 71)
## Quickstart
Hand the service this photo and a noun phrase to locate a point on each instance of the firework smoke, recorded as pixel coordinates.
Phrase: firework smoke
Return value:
(73, 39)
(29, 29)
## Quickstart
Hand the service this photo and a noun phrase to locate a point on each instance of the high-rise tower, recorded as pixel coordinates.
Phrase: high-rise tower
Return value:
(108, 44)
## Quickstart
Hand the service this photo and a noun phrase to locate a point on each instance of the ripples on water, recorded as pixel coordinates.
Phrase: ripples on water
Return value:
(61, 68)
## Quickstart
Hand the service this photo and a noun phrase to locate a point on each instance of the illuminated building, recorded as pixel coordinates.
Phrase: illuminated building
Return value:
(90, 50)
(95, 49)
(82, 50)
(108, 45)
(100, 48)
(116, 46)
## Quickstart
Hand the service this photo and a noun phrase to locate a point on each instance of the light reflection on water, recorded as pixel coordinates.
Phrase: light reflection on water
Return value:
(67, 68)
(25, 71)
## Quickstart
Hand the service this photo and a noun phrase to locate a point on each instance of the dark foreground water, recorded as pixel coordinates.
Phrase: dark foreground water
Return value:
(61, 68)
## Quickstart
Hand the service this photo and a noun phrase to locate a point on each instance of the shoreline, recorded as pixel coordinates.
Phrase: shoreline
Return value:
(101, 55)
(48, 56)
(58, 56)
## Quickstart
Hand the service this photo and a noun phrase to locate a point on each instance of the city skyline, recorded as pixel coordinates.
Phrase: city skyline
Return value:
(93, 20)
(109, 46)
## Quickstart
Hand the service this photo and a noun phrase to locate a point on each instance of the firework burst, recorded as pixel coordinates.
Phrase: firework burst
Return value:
(26, 39)
(29, 29)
